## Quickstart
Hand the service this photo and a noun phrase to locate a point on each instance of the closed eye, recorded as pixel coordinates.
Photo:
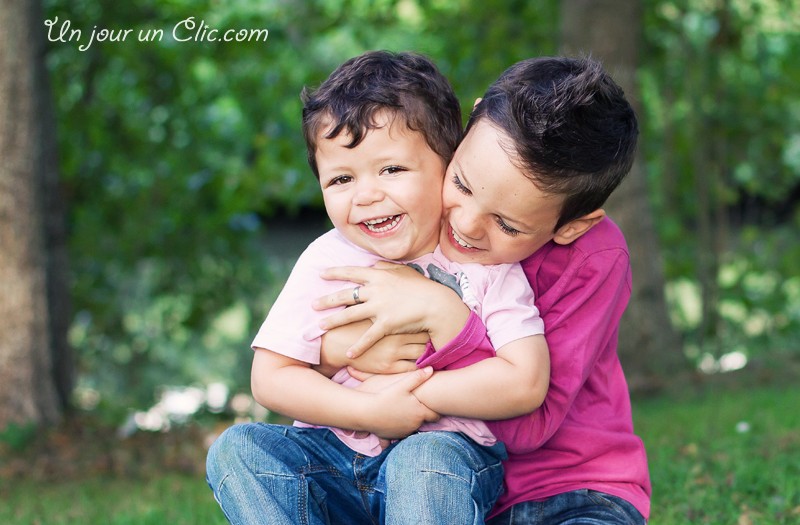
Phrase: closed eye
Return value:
(506, 228)
(460, 186)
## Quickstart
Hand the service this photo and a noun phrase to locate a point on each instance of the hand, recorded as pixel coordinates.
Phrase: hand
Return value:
(398, 300)
(373, 383)
(392, 354)
(396, 412)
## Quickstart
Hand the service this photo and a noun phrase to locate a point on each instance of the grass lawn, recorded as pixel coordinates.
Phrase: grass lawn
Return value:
(718, 457)
(724, 456)
(174, 499)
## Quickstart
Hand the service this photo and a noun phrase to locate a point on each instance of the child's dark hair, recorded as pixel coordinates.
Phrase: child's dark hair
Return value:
(408, 85)
(569, 126)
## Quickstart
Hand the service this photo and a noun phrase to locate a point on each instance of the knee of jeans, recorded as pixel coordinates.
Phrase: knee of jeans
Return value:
(429, 451)
(224, 451)
(257, 448)
(238, 446)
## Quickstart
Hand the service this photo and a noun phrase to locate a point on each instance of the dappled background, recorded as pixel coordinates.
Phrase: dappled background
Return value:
(181, 160)
(180, 195)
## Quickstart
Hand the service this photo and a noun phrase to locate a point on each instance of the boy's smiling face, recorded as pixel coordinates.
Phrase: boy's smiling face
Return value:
(493, 213)
(384, 195)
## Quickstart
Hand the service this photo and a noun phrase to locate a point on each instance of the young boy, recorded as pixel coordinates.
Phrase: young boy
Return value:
(380, 132)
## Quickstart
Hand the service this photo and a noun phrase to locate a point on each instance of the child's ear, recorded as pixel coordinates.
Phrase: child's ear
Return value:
(477, 101)
(572, 231)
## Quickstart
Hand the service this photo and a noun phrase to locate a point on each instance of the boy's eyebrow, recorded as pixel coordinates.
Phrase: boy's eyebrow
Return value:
(394, 159)
(332, 169)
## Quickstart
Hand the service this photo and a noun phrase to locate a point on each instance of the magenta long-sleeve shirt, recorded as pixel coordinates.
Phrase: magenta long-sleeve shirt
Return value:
(582, 436)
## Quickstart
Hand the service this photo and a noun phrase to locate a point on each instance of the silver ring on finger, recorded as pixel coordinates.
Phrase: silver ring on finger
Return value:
(356, 298)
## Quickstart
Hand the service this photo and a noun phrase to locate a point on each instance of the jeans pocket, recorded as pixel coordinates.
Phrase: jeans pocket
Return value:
(620, 507)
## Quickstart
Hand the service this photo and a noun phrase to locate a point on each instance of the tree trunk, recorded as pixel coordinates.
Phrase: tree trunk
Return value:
(649, 348)
(58, 293)
(28, 392)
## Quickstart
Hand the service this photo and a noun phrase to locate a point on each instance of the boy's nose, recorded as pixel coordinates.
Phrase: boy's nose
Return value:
(469, 225)
(367, 192)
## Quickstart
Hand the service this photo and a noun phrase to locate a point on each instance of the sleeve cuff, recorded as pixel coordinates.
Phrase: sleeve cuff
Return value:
(471, 336)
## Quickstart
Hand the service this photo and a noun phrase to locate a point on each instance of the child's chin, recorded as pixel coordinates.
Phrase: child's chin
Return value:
(454, 254)
(395, 255)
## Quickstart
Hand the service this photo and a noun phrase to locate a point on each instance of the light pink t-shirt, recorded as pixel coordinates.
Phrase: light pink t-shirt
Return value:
(499, 295)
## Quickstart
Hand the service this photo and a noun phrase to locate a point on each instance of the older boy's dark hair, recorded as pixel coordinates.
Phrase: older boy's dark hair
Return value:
(408, 85)
(569, 126)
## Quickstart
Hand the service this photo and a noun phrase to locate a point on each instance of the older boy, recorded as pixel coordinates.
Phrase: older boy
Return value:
(551, 139)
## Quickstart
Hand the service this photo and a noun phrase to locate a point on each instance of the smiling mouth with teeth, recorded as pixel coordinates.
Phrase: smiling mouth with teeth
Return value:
(382, 224)
(461, 242)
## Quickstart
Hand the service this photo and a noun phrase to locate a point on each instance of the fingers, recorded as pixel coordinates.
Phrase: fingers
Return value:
(405, 365)
(411, 352)
(395, 367)
(357, 295)
(356, 274)
(344, 317)
(360, 277)
(345, 297)
(373, 334)
(386, 265)
(413, 380)
(358, 374)
(431, 416)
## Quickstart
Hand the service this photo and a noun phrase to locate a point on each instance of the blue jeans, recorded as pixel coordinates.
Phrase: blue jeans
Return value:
(579, 507)
(281, 475)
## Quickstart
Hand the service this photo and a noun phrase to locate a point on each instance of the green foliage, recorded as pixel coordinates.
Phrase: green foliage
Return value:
(758, 301)
(724, 124)
(177, 155)
(17, 437)
(163, 147)
(718, 86)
